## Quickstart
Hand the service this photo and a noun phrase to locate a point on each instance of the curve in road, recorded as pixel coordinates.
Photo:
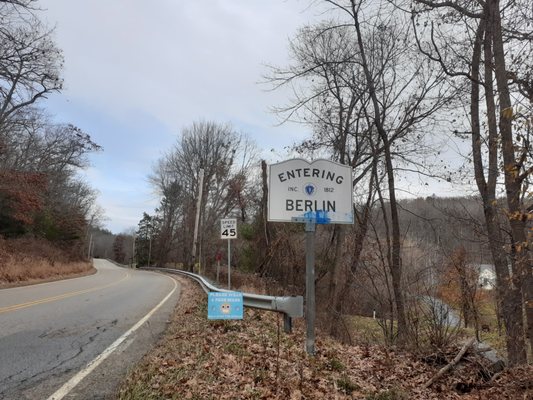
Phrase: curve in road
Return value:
(50, 332)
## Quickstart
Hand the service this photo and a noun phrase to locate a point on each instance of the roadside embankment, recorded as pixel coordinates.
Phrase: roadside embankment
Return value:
(255, 359)
(27, 261)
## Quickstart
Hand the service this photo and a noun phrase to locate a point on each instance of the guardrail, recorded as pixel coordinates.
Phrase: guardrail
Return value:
(290, 306)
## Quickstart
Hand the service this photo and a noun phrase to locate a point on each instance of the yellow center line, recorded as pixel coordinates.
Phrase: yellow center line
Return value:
(59, 297)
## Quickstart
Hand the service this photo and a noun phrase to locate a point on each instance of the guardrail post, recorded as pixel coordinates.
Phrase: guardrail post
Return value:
(287, 323)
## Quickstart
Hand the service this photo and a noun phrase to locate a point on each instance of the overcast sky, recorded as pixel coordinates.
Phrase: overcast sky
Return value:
(136, 72)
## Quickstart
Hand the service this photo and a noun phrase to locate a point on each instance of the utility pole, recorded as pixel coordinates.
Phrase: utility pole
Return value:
(90, 244)
(133, 251)
(200, 256)
(197, 220)
(149, 249)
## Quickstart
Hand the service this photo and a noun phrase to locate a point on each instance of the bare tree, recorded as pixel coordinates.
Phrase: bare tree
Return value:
(40, 190)
(483, 33)
(39, 170)
(226, 158)
(19, 3)
(367, 100)
(30, 64)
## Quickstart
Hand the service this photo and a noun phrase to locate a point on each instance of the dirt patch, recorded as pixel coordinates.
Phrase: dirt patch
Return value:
(255, 359)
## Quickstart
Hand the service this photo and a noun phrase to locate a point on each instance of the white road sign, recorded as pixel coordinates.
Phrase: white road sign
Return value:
(320, 190)
(228, 228)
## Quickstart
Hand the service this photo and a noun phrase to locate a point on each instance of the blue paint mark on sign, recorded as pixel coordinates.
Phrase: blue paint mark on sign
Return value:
(225, 305)
(318, 217)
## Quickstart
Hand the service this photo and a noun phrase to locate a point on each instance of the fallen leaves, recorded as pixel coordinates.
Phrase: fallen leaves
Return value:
(201, 359)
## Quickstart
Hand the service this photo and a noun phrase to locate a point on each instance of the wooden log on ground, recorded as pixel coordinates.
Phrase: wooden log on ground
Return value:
(450, 365)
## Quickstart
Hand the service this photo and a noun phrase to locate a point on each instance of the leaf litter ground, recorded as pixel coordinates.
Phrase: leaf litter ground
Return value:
(255, 359)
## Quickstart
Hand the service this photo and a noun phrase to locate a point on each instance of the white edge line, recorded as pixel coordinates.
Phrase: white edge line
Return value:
(76, 379)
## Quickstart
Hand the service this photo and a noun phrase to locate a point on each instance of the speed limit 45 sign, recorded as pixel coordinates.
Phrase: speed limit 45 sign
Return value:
(228, 228)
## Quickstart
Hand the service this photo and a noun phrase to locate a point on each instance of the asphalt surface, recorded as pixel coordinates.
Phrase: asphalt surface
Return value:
(445, 314)
(49, 332)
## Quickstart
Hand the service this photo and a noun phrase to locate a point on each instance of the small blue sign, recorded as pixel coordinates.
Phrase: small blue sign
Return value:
(225, 305)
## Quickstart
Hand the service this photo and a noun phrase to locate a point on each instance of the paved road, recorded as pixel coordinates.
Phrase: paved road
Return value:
(50, 332)
(445, 314)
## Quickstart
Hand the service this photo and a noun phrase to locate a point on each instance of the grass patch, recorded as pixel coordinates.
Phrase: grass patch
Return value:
(346, 386)
(368, 331)
(336, 365)
(492, 338)
(236, 349)
(365, 329)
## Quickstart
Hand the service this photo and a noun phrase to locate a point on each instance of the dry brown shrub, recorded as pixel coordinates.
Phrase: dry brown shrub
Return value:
(25, 260)
(249, 283)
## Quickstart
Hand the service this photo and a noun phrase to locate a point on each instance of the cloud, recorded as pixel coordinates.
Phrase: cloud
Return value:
(179, 61)
(137, 72)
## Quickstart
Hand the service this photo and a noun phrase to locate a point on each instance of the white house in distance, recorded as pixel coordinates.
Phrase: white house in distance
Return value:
(487, 276)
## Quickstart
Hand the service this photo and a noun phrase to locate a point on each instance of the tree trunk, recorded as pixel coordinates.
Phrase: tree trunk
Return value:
(264, 242)
(522, 270)
(337, 275)
(509, 297)
(507, 294)
(358, 247)
(395, 266)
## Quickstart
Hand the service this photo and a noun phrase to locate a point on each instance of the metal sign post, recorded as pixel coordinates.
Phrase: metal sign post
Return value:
(229, 264)
(310, 308)
(318, 192)
(228, 230)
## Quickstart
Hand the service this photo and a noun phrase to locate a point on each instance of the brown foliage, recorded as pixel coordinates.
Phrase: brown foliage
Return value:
(119, 254)
(26, 260)
(459, 286)
(23, 194)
